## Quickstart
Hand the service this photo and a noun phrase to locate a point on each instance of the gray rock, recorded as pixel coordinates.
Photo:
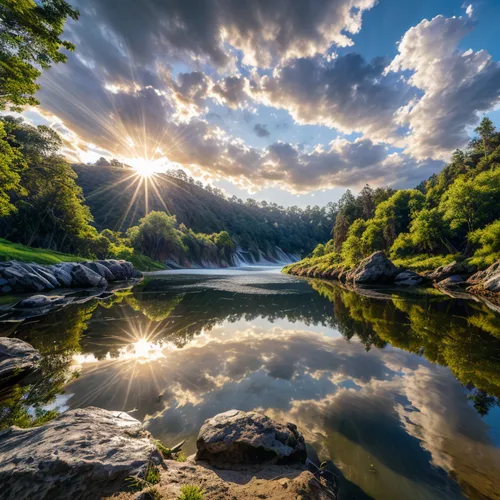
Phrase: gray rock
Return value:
(3, 282)
(63, 276)
(83, 454)
(114, 266)
(482, 276)
(47, 273)
(408, 278)
(452, 269)
(238, 437)
(103, 271)
(451, 282)
(84, 276)
(17, 358)
(376, 268)
(36, 301)
(22, 278)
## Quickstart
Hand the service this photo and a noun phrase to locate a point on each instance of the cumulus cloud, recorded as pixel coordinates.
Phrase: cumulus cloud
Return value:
(346, 93)
(266, 31)
(261, 130)
(456, 85)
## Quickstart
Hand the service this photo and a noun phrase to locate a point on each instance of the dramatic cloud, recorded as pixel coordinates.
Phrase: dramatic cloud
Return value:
(266, 31)
(456, 85)
(346, 93)
(261, 130)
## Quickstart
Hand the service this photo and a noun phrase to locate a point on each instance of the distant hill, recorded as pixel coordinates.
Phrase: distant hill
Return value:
(109, 192)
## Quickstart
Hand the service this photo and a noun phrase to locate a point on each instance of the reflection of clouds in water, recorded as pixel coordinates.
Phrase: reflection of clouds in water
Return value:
(393, 405)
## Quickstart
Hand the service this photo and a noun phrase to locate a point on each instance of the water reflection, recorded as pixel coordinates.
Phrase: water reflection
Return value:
(379, 385)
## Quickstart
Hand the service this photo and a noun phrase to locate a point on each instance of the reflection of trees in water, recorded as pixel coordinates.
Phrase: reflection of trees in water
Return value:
(463, 335)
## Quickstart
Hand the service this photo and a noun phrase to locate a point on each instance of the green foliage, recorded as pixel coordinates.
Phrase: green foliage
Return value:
(49, 212)
(16, 251)
(191, 492)
(251, 225)
(487, 243)
(30, 40)
(352, 251)
(424, 262)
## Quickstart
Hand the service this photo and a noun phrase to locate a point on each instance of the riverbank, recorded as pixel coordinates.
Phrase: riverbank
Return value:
(379, 270)
(104, 453)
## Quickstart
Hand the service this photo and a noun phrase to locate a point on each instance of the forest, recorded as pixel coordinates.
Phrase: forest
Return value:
(454, 215)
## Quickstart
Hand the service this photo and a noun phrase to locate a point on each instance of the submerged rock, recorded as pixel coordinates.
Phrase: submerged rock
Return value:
(238, 437)
(408, 278)
(376, 268)
(17, 359)
(36, 301)
(83, 454)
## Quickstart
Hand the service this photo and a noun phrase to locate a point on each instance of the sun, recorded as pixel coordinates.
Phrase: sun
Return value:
(145, 168)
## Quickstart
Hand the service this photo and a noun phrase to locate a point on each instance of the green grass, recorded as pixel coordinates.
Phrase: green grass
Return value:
(191, 492)
(425, 262)
(16, 251)
(144, 263)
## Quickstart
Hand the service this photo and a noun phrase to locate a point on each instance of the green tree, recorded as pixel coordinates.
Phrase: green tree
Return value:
(30, 40)
(486, 130)
(11, 165)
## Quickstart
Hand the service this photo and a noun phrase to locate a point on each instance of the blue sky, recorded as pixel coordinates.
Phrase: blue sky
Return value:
(291, 101)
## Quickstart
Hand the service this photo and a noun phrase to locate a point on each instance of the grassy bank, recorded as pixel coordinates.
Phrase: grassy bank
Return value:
(324, 266)
(16, 251)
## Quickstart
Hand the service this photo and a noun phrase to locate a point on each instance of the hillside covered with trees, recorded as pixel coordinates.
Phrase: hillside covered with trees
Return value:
(109, 192)
(454, 215)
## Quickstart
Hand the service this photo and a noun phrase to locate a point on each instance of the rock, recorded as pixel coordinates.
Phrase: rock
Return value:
(451, 282)
(114, 266)
(408, 278)
(46, 273)
(376, 268)
(22, 278)
(36, 301)
(63, 276)
(238, 437)
(451, 269)
(17, 358)
(84, 276)
(485, 275)
(83, 454)
(101, 270)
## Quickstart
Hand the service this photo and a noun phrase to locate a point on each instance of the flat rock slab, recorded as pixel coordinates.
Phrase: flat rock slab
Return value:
(83, 454)
(237, 437)
(17, 358)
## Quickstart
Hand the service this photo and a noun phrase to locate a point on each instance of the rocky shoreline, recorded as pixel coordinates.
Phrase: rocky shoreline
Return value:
(377, 269)
(93, 453)
(22, 277)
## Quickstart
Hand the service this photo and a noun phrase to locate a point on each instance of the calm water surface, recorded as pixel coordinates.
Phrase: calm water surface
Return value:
(398, 389)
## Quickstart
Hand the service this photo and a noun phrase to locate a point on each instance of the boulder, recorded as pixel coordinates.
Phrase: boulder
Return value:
(408, 278)
(47, 273)
(101, 270)
(376, 268)
(451, 282)
(238, 437)
(119, 272)
(22, 278)
(486, 275)
(83, 454)
(452, 269)
(17, 358)
(63, 276)
(84, 276)
(37, 301)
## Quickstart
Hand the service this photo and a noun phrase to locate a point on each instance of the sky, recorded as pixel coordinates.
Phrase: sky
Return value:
(291, 101)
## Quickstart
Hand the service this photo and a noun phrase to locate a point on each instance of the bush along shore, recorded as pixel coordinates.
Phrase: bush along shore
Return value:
(377, 269)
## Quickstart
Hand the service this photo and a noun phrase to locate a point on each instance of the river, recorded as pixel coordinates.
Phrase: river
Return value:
(398, 389)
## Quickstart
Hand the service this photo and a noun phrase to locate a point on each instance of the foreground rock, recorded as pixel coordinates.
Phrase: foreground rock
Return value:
(408, 278)
(376, 268)
(17, 359)
(22, 277)
(237, 437)
(82, 454)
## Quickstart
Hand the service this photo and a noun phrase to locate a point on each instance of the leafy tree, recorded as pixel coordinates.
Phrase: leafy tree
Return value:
(11, 165)
(352, 251)
(30, 40)
(486, 130)
(470, 201)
